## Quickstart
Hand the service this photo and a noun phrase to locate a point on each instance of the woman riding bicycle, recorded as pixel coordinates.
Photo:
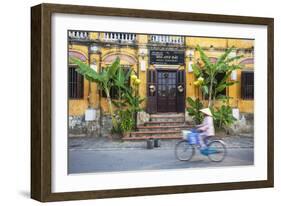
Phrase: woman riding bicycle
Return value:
(197, 138)
(206, 129)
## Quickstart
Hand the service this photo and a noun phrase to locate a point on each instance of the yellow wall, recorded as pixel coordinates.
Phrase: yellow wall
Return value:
(244, 44)
(214, 47)
(206, 42)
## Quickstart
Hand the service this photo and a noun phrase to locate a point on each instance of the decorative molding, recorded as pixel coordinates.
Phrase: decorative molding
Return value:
(77, 54)
(247, 61)
(123, 56)
(213, 59)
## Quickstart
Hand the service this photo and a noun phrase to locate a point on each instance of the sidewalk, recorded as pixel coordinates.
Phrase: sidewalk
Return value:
(88, 143)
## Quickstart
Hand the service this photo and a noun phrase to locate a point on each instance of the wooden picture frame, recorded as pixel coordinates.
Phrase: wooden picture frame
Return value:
(41, 97)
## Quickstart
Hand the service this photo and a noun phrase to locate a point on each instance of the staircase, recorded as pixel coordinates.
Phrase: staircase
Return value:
(161, 126)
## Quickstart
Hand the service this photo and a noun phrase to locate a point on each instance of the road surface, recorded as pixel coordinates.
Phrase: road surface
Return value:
(113, 160)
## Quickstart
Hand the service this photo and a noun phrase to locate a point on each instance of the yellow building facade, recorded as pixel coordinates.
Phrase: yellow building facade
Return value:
(158, 61)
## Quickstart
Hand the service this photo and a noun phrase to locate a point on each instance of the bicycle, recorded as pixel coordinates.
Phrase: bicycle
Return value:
(185, 149)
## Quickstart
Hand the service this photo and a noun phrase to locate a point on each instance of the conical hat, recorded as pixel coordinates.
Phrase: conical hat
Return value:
(206, 111)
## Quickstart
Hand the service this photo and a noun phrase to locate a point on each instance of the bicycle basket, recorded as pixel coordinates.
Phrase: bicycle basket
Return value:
(193, 138)
(185, 134)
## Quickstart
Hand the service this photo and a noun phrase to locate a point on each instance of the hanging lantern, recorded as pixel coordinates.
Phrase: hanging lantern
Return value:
(180, 88)
(152, 88)
(233, 75)
(190, 69)
(190, 55)
(93, 66)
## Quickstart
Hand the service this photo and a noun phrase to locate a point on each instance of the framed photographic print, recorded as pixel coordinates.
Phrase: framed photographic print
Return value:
(129, 102)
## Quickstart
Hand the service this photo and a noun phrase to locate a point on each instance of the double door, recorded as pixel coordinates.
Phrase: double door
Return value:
(166, 91)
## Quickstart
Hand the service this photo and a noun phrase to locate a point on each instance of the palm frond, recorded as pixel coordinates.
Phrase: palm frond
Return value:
(112, 69)
(229, 60)
(222, 58)
(85, 70)
(196, 70)
(204, 58)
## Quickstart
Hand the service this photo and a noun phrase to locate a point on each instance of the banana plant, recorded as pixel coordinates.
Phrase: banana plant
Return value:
(209, 71)
(222, 116)
(121, 81)
(194, 110)
(105, 79)
(134, 101)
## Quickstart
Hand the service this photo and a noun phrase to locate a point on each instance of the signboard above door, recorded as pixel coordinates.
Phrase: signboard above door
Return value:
(166, 57)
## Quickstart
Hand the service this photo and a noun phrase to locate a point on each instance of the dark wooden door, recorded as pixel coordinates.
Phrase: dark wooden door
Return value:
(181, 90)
(166, 91)
(151, 92)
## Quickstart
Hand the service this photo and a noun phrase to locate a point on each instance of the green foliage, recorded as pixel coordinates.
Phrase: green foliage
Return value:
(211, 87)
(194, 110)
(105, 79)
(133, 100)
(128, 102)
(121, 81)
(126, 120)
(224, 65)
(222, 116)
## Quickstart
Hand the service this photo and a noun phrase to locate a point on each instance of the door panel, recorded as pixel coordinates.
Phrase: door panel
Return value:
(151, 92)
(166, 91)
(180, 90)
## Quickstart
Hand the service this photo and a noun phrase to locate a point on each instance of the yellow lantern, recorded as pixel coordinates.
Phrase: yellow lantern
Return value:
(137, 81)
(133, 77)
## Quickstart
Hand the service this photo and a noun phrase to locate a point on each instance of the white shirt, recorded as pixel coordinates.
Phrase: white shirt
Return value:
(208, 126)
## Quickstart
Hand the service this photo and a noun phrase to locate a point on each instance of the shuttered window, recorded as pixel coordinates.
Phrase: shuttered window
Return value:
(247, 85)
(75, 84)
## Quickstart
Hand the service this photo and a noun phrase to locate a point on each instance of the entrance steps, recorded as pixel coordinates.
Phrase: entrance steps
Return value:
(163, 123)
(167, 117)
(161, 126)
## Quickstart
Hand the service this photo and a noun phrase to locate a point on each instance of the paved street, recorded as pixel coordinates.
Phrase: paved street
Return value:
(86, 160)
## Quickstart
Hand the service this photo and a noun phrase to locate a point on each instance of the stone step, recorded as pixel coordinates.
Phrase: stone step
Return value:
(150, 137)
(167, 119)
(163, 123)
(166, 127)
(156, 133)
(167, 115)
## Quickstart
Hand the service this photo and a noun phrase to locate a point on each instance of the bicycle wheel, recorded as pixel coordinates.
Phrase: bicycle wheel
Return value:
(217, 150)
(184, 151)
